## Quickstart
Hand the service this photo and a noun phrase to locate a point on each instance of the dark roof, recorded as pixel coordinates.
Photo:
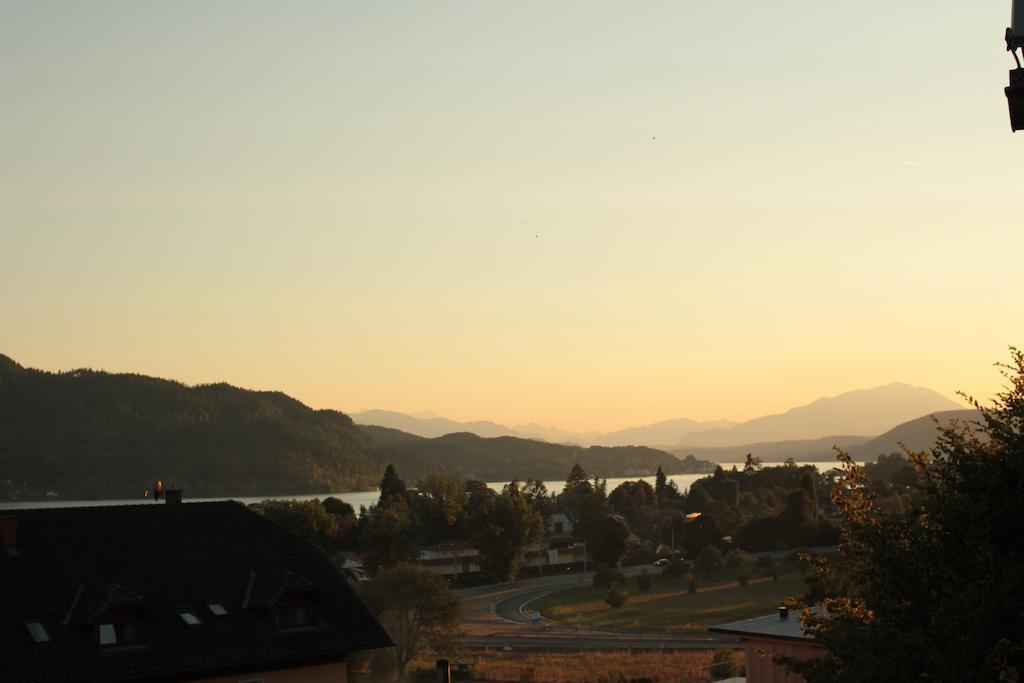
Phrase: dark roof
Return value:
(73, 565)
(772, 626)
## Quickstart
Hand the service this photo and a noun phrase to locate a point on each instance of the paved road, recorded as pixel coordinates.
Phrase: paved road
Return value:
(510, 602)
(498, 615)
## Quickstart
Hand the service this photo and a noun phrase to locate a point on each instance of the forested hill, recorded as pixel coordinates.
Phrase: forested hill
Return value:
(509, 457)
(89, 434)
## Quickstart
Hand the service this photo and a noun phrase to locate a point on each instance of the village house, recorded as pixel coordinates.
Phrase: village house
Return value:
(777, 634)
(197, 592)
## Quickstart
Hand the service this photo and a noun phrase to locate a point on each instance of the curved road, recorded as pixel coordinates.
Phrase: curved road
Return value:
(499, 614)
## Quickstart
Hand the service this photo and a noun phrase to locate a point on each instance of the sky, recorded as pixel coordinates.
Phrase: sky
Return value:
(589, 214)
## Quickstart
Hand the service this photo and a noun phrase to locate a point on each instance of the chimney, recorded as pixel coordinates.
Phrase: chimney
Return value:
(173, 496)
(783, 612)
(9, 533)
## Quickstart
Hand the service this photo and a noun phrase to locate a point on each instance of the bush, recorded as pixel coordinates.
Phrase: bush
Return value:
(675, 570)
(643, 582)
(723, 663)
(641, 553)
(616, 596)
(606, 577)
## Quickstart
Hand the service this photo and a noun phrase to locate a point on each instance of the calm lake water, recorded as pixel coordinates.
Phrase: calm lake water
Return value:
(357, 498)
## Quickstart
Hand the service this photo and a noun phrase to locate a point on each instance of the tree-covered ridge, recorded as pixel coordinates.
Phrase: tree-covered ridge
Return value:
(95, 434)
(507, 457)
(92, 434)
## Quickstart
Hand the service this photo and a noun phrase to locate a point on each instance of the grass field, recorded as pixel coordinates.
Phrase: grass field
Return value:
(589, 667)
(667, 607)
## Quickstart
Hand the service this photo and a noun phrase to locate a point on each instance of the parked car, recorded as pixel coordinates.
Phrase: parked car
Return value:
(662, 562)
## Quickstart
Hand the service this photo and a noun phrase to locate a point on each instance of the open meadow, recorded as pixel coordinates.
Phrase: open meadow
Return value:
(667, 607)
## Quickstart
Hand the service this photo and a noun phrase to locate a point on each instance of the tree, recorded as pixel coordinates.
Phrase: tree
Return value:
(339, 508)
(637, 502)
(936, 591)
(643, 581)
(738, 563)
(537, 493)
(799, 508)
(660, 485)
(390, 485)
(477, 493)
(502, 529)
(694, 534)
(440, 507)
(605, 576)
(752, 464)
(617, 595)
(730, 493)
(388, 535)
(307, 519)
(708, 560)
(577, 481)
(698, 500)
(418, 610)
(809, 483)
(611, 540)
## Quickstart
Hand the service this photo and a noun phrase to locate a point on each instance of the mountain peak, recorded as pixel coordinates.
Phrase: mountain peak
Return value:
(862, 411)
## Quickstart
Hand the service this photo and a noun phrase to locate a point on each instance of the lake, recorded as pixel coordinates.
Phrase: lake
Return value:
(358, 498)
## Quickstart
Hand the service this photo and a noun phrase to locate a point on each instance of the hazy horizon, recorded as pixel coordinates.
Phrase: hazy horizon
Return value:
(588, 215)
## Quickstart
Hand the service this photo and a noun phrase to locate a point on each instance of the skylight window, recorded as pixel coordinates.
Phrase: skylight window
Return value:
(217, 609)
(189, 618)
(37, 631)
(108, 634)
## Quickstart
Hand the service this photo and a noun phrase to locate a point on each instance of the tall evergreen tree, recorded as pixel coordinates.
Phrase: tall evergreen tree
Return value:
(390, 485)
(660, 485)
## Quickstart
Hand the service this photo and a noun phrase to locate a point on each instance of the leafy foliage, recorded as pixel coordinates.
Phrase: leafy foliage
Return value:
(88, 434)
(501, 529)
(930, 591)
(617, 595)
(611, 540)
(708, 560)
(418, 610)
(310, 520)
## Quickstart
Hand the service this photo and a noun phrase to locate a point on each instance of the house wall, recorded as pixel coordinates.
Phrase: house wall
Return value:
(760, 668)
(335, 672)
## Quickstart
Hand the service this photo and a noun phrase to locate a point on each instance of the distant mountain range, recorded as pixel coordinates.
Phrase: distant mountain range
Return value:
(917, 435)
(864, 413)
(430, 427)
(867, 411)
(88, 434)
(654, 435)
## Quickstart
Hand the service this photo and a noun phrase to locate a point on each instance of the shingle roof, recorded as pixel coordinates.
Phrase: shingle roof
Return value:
(74, 563)
(772, 626)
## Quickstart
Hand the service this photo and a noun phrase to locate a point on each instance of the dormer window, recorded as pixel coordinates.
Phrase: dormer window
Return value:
(292, 616)
(112, 634)
(296, 611)
(37, 631)
(108, 634)
(189, 618)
